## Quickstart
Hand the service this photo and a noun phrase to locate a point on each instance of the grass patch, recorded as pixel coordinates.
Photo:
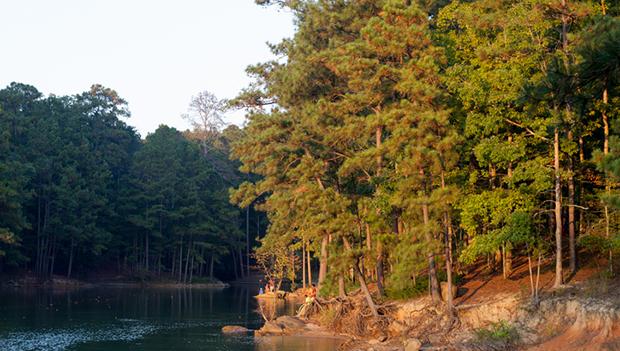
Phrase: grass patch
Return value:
(498, 333)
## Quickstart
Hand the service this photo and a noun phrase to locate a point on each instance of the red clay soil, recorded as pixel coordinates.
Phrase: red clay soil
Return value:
(481, 286)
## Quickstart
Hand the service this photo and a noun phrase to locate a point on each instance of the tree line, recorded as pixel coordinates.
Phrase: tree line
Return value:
(80, 192)
(398, 141)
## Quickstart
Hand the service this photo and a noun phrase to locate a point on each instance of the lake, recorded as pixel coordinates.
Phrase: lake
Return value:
(136, 319)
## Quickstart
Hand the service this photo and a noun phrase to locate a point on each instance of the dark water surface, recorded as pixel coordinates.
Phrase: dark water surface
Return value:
(137, 319)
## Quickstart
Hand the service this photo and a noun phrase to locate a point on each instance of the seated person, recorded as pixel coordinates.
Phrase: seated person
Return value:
(311, 294)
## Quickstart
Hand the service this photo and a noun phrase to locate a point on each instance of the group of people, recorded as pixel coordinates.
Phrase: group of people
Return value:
(269, 288)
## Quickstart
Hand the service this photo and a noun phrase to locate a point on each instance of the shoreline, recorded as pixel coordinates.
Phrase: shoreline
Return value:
(511, 321)
(62, 283)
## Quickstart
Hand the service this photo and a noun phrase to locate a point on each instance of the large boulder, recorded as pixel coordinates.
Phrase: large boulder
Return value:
(235, 329)
(290, 323)
(270, 328)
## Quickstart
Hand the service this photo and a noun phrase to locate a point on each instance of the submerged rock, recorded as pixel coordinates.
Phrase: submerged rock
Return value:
(235, 329)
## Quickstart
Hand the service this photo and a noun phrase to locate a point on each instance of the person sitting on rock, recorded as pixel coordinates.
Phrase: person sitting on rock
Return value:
(311, 294)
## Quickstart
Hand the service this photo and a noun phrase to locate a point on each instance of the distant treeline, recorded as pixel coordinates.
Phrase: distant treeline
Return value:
(81, 192)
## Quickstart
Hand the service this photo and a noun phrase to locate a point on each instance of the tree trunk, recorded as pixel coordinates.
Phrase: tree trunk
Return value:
(146, 252)
(571, 218)
(303, 262)
(309, 261)
(70, 259)
(180, 259)
(558, 210)
(185, 274)
(368, 246)
(362, 280)
(53, 255)
(448, 251)
(341, 287)
(323, 261)
(432, 270)
(380, 269)
(607, 184)
(242, 272)
(38, 260)
(211, 267)
(234, 260)
(433, 282)
(191, 268)
(247, 240)
(174, 261)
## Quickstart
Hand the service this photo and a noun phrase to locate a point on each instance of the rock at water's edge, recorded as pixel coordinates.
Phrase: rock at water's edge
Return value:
(235, 329)
(270, 328)
(290, 323)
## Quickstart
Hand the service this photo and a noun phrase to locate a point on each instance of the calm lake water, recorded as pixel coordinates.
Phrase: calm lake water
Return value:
(138, 319)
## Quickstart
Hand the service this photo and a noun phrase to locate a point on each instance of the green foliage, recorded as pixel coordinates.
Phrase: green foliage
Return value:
(394, 127)
(79, 190)
(499, 332)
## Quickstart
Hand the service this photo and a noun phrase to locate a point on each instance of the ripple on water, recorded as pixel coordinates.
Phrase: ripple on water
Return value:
(61, 339)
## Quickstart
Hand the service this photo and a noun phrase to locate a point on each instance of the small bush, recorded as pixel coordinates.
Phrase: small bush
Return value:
(500, 332)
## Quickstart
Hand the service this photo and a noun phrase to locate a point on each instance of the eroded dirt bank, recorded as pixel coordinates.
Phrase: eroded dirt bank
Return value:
(566, 319)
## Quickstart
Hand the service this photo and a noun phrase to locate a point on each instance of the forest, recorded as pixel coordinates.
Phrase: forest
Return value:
(398, 142)
(82, 193)
(393, 143)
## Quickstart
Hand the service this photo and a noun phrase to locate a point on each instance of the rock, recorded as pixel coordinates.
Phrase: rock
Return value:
(235, 329)
(413, 345)
(435, 339)
(444, 289)
(313, 327)
(397, 328)
(270, 328)
(290, 323)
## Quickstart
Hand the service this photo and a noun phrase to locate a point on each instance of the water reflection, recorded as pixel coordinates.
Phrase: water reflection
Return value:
(275, 343)
(135, 319)
(272, 308)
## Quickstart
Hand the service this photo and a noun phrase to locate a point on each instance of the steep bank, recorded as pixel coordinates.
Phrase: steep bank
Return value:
(584, 316)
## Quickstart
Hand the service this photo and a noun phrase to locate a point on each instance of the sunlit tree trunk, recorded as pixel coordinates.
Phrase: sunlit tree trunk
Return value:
(362, 281)
(432, 269)
(558, 209)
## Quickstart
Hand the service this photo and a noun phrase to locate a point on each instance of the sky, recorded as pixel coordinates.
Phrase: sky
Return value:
(156, 54)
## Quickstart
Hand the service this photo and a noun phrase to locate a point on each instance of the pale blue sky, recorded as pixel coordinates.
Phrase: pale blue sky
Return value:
(155, 54)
